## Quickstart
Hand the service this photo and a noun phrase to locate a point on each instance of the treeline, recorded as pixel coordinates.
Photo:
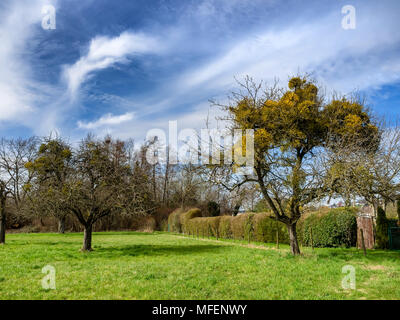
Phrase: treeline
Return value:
(48, 184)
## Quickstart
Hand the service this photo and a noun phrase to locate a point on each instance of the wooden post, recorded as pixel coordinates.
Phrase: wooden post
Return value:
(312, 241)
(362, 242)
(277, 239)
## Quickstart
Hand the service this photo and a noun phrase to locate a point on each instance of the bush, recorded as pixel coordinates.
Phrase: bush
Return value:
(382, 225)
(174, 221)
(336, 228)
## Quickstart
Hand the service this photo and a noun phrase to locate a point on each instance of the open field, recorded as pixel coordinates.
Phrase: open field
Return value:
(129, 265)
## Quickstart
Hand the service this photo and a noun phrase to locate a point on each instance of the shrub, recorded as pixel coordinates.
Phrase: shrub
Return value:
(382, 225)
(174, 221)
(213, 209)
(336, 228)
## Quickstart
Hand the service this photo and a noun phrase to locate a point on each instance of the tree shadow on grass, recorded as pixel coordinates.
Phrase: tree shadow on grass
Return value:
(157, 250)
(357, 254)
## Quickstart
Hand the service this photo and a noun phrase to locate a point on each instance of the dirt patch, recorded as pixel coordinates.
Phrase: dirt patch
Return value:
(375, 267)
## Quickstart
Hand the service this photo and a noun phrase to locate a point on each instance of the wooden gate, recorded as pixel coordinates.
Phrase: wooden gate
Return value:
(366, 223)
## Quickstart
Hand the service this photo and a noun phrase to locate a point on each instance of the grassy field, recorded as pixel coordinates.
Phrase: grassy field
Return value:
(128, 265)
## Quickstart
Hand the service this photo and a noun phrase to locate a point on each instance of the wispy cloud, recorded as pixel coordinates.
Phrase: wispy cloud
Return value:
(17, 89)
(105, 52)
(106, 121)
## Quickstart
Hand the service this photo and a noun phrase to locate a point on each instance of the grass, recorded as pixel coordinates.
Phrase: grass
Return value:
(129, 265)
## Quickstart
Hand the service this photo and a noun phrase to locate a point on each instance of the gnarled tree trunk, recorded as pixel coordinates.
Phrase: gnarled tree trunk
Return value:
(87, 238)
(294, 244)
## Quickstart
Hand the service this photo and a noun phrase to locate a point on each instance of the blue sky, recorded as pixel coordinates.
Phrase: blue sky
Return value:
(125, 67)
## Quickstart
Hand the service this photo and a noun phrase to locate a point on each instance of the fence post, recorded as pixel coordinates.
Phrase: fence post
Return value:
(312, 241)
(277, 239)
(362, 242)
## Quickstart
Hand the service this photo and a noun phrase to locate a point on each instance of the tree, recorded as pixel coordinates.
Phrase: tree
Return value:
(371, 173)
(102, 184)
(52, 169)
(3, 198)
(291, 128)
(14, 153)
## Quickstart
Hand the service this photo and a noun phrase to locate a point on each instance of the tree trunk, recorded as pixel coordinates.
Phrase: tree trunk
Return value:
(2, 228)
(87, 239)
(3, 222)
(61, 225)
(294, 244)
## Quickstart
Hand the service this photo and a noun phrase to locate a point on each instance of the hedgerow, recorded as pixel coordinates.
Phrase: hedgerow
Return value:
(335, 228)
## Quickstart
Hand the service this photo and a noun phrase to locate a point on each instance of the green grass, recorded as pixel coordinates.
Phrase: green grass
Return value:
(128, 265)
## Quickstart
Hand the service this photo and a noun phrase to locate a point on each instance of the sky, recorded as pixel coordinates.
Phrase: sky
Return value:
(124, 67)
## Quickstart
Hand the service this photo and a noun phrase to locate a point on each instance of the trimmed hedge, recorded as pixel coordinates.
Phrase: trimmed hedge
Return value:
(265, 230)
(336, 228)
(248, 226)
(186, 216)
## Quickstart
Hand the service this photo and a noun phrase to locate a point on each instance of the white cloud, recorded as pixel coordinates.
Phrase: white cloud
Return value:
(104, 52)
(17, 89)
(106, 120)
(342, 60)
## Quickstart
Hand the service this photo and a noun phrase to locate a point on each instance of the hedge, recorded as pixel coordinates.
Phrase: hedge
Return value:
(188, 215)
(336, 228)
(248, 226)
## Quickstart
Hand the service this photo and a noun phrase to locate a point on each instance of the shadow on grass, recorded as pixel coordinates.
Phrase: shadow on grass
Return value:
(356, 254)
(157, 250)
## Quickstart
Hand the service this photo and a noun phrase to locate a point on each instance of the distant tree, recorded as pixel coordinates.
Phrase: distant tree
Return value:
(52, 169)
(292, 127)
(371, 173)
(14, 153)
